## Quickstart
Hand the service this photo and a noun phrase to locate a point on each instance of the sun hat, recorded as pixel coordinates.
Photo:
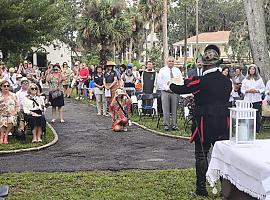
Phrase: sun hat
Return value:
(19, 76)
(120, 91)
(110, 63)
(24, 79)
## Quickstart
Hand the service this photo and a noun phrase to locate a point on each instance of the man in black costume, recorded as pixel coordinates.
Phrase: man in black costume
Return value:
(210, 122)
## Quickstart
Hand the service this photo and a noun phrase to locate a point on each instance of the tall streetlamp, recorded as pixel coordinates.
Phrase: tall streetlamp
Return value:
(146, 28)
(197, 27)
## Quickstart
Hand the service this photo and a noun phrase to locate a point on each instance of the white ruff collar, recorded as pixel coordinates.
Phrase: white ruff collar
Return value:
(212, 70)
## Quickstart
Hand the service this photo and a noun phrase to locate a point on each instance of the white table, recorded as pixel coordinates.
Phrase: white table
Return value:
(245, 166)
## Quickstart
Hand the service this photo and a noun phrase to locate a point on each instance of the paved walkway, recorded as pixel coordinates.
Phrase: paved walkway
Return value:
(86, 142)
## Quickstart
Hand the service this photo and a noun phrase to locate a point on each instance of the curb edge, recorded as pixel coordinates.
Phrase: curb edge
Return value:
(160, 133)
(55, 140)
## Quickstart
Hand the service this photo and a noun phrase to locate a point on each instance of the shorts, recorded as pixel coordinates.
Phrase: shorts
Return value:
(81, 85)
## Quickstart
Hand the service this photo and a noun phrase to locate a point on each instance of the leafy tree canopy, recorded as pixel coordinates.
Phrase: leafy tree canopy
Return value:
(27, 23)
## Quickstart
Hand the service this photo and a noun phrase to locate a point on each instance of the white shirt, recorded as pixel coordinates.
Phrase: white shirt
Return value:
(164, 76)
(21, 94)
(11, 79)
(252, 84)
(199, 71)
(29, 105)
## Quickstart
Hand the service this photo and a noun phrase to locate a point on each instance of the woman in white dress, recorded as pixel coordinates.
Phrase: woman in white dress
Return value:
(253, 87)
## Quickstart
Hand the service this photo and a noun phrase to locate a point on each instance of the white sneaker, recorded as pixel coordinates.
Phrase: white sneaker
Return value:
(125, 129)
(98, 113)
(77, 98)
(9, 133)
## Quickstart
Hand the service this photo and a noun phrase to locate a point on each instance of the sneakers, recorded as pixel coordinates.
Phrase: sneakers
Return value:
(125, 129)
(166, 128)
(77, 98)
(98, 113)
(175, 128)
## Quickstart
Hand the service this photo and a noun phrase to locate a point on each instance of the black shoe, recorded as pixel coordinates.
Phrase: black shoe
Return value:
(166, 128)
(175, 128)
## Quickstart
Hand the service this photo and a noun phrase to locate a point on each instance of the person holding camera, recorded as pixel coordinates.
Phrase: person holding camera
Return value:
(56, 95)
(33, 107)
(119, 109)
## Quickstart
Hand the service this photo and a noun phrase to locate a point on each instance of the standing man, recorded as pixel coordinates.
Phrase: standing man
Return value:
(83, 75)
(210, 121)
(149, 79)
(198, 70)
(168, 98)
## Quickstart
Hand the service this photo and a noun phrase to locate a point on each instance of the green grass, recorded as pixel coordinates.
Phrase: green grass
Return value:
(15, 144)
(123, 185)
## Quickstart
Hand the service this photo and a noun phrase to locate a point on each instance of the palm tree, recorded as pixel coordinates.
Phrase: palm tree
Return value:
(103, 23)
(152, 12)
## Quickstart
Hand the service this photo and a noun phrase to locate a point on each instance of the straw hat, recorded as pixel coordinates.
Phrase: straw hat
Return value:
(110, 63)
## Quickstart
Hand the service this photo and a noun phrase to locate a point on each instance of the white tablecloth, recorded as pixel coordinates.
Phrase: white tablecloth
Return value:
(245, 166)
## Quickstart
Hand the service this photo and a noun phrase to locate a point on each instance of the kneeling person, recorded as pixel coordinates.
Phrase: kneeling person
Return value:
(119, 109)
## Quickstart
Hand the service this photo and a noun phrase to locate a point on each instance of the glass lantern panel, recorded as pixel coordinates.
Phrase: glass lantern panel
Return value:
(233, 128)
(245, 130)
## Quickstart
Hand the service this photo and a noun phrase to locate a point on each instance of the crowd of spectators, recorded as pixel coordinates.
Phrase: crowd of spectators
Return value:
(22, 103)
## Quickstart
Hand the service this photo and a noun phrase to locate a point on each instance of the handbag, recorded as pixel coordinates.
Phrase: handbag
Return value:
(56, 93)
(108, 93)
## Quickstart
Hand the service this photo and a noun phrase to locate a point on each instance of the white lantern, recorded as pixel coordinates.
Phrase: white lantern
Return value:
(243, 123)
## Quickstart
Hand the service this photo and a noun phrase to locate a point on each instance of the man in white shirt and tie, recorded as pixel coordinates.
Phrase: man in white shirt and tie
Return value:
(198, 70)
(168, 98)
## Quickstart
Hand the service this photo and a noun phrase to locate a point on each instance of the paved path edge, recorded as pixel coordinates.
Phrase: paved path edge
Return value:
(55, 140)
(160, 133)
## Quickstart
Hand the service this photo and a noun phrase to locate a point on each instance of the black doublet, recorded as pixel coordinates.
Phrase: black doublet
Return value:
(211, 97)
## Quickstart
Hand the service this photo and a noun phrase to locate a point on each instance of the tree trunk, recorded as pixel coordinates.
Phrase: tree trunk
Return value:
(165, 27)
(130, 50)
(152, 33)
(257, 32)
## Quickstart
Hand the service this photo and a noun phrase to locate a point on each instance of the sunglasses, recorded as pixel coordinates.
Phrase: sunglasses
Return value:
(5, 86)
(25, 82)
(34, 88)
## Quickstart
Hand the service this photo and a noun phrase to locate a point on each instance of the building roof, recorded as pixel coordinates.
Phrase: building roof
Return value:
(219, 37)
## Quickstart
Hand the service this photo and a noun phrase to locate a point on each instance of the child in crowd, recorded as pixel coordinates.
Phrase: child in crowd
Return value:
(119, 109)
(89, 88)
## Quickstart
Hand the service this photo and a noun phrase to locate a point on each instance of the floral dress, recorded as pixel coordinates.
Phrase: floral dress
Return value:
(117, 114)
(55, 83)
(8, 110)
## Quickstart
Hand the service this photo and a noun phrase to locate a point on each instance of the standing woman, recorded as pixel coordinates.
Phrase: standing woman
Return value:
(252, 88)
(110, 82)
(99, 91)
(9, 107)
(56, 97)
(66, 83)
(33, 106)
(226, 72)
